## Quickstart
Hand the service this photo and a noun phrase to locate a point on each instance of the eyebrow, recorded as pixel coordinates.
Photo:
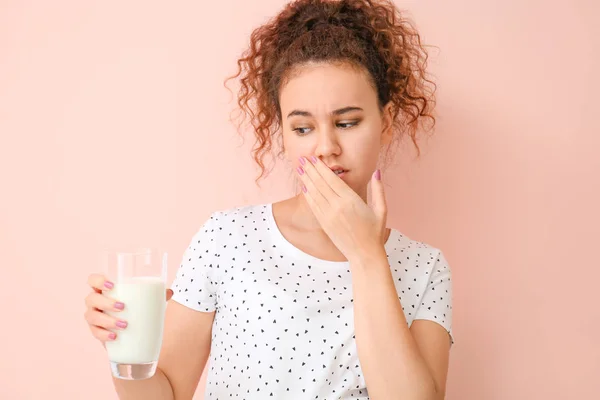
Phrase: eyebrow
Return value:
(339, 111)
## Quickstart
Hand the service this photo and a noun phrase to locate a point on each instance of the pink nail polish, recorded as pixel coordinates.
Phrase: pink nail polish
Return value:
(109, 285)
(378, 175)
(302, 160)
(112, 336)
(121, 324)
(314, 159)
(119, 305)
(300, 170)
(304, 188)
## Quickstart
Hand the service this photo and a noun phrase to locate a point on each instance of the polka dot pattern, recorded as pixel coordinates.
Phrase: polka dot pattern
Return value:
(284, 323)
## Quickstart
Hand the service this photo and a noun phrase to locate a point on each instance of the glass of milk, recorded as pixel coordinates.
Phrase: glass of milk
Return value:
(139, 278)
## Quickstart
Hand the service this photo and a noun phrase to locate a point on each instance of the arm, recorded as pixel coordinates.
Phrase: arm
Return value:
(398, 362)
(393, 364)
(185, 350)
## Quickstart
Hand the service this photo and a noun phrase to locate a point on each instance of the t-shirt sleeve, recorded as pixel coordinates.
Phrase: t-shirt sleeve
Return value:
(195, 285)
(436, 303)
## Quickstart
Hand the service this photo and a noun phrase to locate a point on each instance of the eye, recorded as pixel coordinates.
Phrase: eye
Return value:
(301, 131)
(347, 125)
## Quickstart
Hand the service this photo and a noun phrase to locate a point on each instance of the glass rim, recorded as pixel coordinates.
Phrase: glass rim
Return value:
(116, 261)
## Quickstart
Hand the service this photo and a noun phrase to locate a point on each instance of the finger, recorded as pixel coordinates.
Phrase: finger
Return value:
(315, 199)
(101, 302)
(102, 320)
(102, 334)
(169, 294)
(99, 283)
(309, 195)
(338, 186)
(378, 196)
(318, 181)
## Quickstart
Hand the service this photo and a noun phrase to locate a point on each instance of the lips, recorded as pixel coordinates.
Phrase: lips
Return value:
(338, 170)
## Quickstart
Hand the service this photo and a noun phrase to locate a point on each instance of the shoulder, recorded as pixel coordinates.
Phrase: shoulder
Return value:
(223, 228)
(414, 256)
(243, 212)
(398, 242)
(237, 216)
(234, 221)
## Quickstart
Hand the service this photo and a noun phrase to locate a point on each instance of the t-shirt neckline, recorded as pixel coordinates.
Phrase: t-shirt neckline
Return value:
(295, 252)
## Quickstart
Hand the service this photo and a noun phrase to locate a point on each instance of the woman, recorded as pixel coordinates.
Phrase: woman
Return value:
(312, 297)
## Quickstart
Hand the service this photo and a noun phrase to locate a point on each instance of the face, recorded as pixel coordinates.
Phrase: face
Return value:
(331, 112)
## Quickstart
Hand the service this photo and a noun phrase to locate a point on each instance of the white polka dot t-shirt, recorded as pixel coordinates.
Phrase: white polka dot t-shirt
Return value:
(284, 325)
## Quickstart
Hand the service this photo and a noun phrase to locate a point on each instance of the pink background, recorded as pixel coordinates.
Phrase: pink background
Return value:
(114, 131)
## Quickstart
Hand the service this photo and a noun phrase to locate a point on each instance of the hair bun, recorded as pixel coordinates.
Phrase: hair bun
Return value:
(371, 34)
(315, 24)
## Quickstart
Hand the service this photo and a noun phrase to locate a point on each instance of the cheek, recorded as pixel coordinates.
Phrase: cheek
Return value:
(295, 148)
(366, 146)
(368, 155)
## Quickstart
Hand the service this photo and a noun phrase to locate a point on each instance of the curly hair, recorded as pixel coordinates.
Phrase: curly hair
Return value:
(369, 34)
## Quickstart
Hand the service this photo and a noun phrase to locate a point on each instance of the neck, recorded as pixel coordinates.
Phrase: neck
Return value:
(302, 215)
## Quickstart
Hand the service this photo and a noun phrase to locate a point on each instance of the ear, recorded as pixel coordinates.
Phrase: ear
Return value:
(387, 124)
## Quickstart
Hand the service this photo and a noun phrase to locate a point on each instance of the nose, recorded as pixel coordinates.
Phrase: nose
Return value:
(327, 143)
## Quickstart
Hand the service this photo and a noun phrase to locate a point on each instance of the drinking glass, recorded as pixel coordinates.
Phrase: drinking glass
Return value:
(139, 278)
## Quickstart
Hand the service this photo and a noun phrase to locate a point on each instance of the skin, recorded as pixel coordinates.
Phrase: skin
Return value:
(330, 116)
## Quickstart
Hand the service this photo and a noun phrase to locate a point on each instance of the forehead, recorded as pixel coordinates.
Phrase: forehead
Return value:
(325, 87)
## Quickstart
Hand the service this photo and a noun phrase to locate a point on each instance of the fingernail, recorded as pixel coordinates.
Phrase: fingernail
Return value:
(112, 336)
(314, 159)
(119, 305)
(300, 170)
(121, 324)
(302, 160)
(109, 285)
(378, 175)
(304, 188)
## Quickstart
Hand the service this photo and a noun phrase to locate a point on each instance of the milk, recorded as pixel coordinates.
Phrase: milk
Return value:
(145, 303)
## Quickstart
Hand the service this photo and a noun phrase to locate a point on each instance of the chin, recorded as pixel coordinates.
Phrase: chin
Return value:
(358, 187)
